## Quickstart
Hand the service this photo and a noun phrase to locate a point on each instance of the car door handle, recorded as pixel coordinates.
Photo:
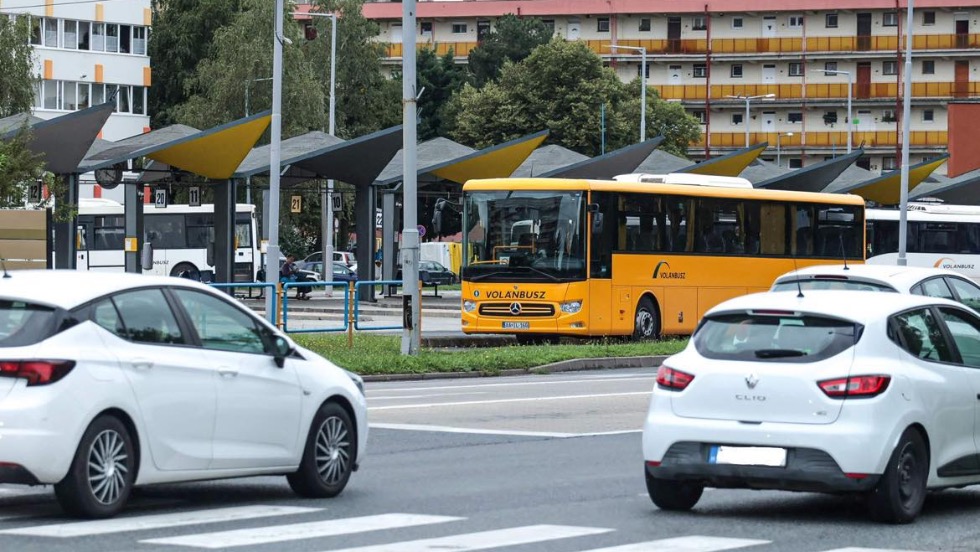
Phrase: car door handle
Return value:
(141, 363)
(227, 372)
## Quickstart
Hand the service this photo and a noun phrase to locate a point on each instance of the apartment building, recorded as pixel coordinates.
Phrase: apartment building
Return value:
(788, 62)
(88, 53)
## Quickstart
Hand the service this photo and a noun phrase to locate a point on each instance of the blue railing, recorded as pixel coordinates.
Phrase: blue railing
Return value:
(263, 287)
(357, 302)
(312, 285)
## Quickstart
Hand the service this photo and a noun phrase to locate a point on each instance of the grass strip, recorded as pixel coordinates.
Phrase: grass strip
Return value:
(381, 354)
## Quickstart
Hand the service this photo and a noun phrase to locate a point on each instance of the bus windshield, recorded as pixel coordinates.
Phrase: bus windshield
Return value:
(524, 236)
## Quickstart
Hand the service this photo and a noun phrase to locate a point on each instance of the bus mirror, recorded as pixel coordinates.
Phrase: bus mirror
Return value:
(147, 257)
(593, 207)
(210, 253)
(437, 222)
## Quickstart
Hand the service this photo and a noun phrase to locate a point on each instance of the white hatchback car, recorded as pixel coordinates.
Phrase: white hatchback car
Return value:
(113, 380)
(832, 391)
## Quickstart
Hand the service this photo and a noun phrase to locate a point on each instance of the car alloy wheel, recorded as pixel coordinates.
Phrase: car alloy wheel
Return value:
(329, 455)
(107, 467)
(332, 450)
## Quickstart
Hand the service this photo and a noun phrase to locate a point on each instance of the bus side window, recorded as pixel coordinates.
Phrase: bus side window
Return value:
(605, 231)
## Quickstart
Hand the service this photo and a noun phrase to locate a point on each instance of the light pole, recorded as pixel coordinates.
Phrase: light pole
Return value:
(850, 121)
(906, 116)
(411, 336)
(748, 99)
(275, 158)
(326, 198)
(778, 136)
(643, 86)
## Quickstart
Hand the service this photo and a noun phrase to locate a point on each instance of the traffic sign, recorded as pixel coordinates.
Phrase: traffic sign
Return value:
(421, 231)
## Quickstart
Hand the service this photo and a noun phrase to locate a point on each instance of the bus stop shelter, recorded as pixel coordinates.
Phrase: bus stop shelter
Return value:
(812, 178)
(886, 189)
(961, 190)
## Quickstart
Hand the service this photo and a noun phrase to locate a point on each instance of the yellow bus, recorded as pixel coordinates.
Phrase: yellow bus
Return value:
(641, 255)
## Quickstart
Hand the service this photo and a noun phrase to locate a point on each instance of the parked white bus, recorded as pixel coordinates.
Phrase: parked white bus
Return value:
(939, 235)
(180, 235)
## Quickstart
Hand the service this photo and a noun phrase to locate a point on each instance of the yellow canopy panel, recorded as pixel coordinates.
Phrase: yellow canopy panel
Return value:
(728, 165)
(215, 153)
(495, 162)
(887, 190)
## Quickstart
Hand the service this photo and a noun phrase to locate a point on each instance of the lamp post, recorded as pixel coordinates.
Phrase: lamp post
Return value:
(778, 136)
(748, 99)
(850, 83)
(326, 198)
(643, 86)
(906, 117)
(411, 334)
(275, 159)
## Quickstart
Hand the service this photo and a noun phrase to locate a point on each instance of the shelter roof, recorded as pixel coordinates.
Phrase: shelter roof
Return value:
(546, 159)
(604, 167)
(63, 141)
(761, 170)
(961, 190)
(661, 162)
(429, 153)
(14, 122)
(731, 164)
(852, 175)
(886, 189)
(814, 178)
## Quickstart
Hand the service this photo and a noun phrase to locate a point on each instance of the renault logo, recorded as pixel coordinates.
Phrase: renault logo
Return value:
(751, 381)
(515, 308)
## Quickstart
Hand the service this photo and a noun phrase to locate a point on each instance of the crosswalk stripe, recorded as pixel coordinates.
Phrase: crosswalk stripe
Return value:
(485, 540)
(694, 543)
(852, 549)
(156, 521)
(282, 533)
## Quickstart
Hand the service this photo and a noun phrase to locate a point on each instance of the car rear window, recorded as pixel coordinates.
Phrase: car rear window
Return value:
(774, 337)
(23, 323)
(831, 283)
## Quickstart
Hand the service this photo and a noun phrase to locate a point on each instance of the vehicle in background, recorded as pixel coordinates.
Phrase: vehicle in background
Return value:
(432, 273)
(938, 235)
(179, 234)
(341, 273)
(834, 391)
(932, 282)
(344, 257)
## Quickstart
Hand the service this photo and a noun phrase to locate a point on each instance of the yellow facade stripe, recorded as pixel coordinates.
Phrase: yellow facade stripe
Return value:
(48, 69)
(49, 8)
(147, 16)
(147, 74)
(887, 191)
(728, 165)
(216, 155)
(99, 12)
(99, 72)
(496, 163)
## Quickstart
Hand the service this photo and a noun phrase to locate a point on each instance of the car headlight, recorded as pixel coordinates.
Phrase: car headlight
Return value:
(468, 305)
(571, 307)
(358, 380)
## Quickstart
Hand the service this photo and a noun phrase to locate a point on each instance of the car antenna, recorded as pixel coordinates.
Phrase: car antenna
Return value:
(799, 287)
(843, 254)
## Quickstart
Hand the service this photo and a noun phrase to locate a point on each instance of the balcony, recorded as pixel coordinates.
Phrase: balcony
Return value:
(871, 139)
(459, 49)
(816, 92)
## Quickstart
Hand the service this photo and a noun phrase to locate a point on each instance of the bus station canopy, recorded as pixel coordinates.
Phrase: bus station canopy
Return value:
(661, 162)
(731, 164)
(962, 190)
(886, 189)
(812, 178)
(63, 141)
(761, 170)
(604, 167)
(546, 159)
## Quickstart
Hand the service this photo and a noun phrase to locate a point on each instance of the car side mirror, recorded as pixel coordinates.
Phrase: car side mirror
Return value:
(281, 350)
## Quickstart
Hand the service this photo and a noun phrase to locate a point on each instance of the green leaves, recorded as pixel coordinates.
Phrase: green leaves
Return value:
(512, 39)
(16, 66)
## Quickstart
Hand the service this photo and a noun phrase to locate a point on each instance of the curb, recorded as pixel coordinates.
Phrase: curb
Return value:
(573, 365)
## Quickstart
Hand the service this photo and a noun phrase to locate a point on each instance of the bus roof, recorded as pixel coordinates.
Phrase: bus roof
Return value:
(571, 184)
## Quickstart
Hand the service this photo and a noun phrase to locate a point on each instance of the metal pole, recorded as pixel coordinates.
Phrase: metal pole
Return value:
(778, 163)
(272, 252)
(643, 95)
(747, 100)
(410, 232)
(326, 197)
(906, 116)
(850, 120)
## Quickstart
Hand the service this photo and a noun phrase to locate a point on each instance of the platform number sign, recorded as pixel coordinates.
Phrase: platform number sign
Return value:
(338, 202)
(160, 198)
(194, 196)
(34, 193)
(296, 204)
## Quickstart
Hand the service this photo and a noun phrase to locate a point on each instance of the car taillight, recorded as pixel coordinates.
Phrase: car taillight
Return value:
(855, 386)
(669, 378)
(36, 372)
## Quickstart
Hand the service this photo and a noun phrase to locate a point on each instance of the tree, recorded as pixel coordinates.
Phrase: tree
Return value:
(182, 32)
(512, 38)
(668, 119)
(438, 79)
(18, 165)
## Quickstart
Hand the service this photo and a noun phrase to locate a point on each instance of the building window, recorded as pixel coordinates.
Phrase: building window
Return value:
(69, 35)
(84, 35)
(602, 25)
(928, 115)
(69, 100)
(426, 27)
(928, 67)
(36, 23)
(84, 95)
(49, 94)
(737, 118)
(700, 115)
(888, 163)
(889, 19)
(125, 39)
(645, 24)
(700, 71)
(98, 37)
(830, 66)
(139, 100)
(928, 18)
(699, 23)
(50, 32)
(738, 22)
(889, 67)
(888, 116)
(830, 118)
(795, 163)
(795, 21)
(549, 24)
(796, 69)
(831, 21)
(459, 28)
(795, 117)
(639, 69)
(736, 70)
(111, 37)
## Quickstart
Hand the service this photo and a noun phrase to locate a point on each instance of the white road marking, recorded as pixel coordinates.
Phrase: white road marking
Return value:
(484, 540)
(156, 521)
(502, 401)
(652, 377)
(684, 544)
(448, 429)
(424, 395)
(299, 531)
(869, 550)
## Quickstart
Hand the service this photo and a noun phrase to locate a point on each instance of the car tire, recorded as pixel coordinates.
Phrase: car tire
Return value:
(672, 494)
(329, 454)
(186, 270)
(98, 486)
(900, 493)
(646, 321)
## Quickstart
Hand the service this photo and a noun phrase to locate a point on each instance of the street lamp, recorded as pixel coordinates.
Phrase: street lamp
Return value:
(643, 86)
(326, 199)
(275, 162)
(906, 117)
(778, 136)
(850, 121)
(747, 100)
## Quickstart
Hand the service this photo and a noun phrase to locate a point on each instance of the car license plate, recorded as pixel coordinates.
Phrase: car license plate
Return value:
(517, 325)
(748, 456)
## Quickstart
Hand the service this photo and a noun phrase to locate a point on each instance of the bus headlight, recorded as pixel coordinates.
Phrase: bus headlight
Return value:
(468, 305)
(571, 307)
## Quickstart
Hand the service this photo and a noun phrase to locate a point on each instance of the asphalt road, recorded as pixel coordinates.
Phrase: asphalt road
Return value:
(536, 463)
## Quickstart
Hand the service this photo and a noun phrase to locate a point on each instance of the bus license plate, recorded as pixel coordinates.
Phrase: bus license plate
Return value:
(517, 325)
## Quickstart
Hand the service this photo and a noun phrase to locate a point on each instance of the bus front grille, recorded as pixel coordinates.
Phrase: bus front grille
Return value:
(517, 309)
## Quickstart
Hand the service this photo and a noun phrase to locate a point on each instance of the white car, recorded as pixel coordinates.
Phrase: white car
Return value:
(834, 391)
(113, 380)
(934, 282)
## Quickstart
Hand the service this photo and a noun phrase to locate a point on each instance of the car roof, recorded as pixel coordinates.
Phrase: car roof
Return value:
(901, 277)
(68, 289)
(857, 306)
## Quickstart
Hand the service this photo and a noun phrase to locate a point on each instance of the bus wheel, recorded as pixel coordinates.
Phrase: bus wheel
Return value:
(646, 323)
(186, 270)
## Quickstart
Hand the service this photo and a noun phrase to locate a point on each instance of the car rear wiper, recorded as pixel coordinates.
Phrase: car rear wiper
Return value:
(779, 353)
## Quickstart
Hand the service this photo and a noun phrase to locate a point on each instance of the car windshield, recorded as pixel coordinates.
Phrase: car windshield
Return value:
(23, 323)
(774, 337)
(831, 283)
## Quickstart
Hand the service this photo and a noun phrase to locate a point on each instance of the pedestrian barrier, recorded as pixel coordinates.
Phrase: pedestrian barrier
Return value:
(357, 302)
(273, 290)
(300, 285)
